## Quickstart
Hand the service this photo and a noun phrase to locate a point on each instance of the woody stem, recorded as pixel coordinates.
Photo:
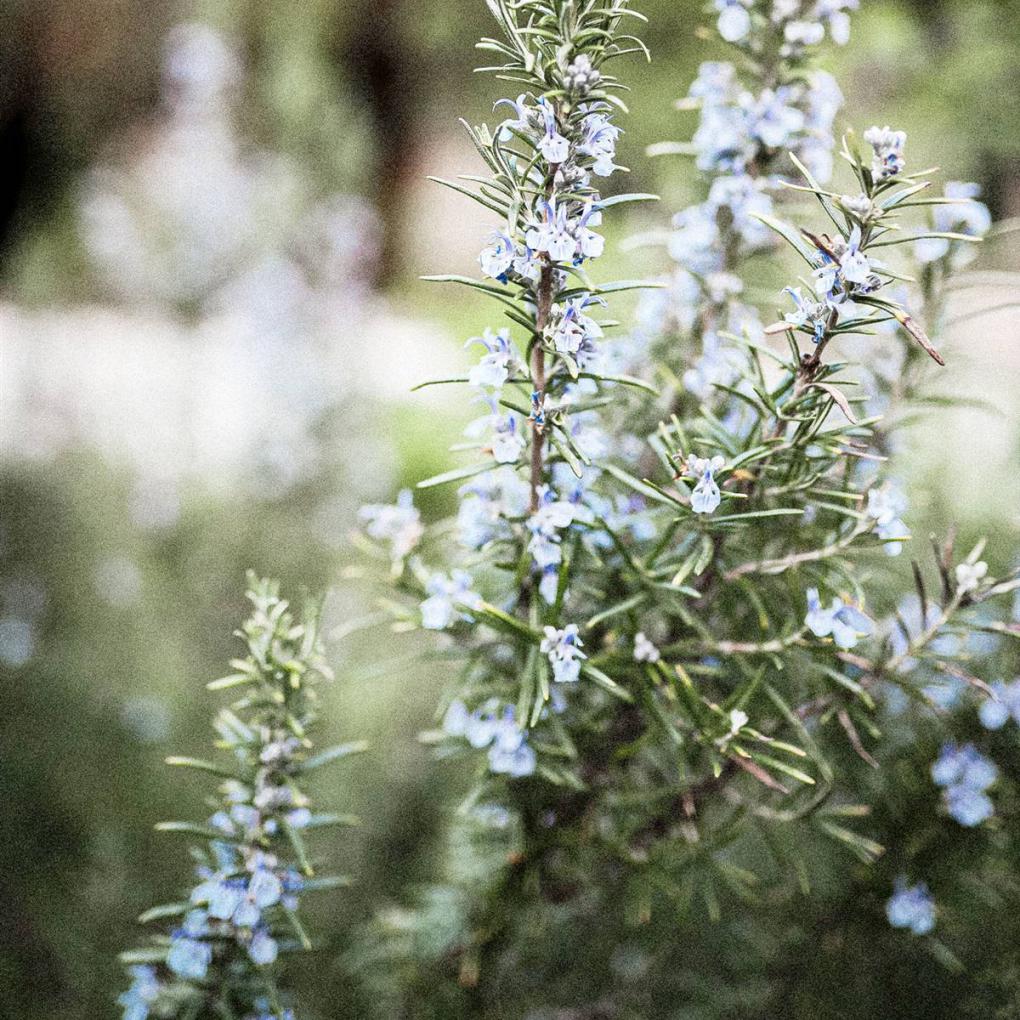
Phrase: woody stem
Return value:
(543, 307)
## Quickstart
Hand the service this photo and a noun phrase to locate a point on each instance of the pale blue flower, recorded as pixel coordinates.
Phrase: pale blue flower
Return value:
(400, 524)
(734, 22)
(723, 138)
(553, 146)
(263, 949)
(589, 244)
(549, 585)
(447, 593)
(844, 622)
(552, 232)
(505, 441)
(963, 766)
(833, 13)
(144, 991)
(706, 496)
(599, 136)
(719, 364)
(911, 907)
(812, 316)
(486, 504)
(694, 241)
(964, 215)
(498, 256)
(853, 262)
(803, 33)
(745, 200)
(885, 506)
(969, 216)
(968, 806)
(573, 328)
(644, 649)
(553, 515)
(497, 363)
(521, 123)
(510, 753)
(970, 575)
(997, 710)
(189, 958)
(715, 83)
(772, 118)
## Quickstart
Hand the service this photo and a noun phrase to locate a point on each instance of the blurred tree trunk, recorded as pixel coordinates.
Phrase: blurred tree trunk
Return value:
(385, 66)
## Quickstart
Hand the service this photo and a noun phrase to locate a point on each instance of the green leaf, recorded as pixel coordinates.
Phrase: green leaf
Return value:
(605, 203)
(202, 766)
(503, 621)
(866, 849)
(456, 475)
(603, 681)
(623, 380)
(193, 829)
(163, 911)
(233, 680)
(619, 607)
(332, 754)
(788, 234)
(131, 957)
(752, 514)
(643, 488)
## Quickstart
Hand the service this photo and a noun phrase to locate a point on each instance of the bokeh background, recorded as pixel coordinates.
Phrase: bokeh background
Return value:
(213, 216)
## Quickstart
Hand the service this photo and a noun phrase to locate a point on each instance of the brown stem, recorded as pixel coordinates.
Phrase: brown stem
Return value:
(542, 310)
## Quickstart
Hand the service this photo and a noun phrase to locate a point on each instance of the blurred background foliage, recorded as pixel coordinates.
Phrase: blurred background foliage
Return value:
(223, 391)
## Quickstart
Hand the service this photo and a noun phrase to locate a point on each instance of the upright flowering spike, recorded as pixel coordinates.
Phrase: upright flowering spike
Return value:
(252, 867)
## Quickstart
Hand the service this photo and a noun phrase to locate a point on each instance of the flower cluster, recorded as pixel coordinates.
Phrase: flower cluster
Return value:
(253, 869)
(965, 775)
(488, 726)
(754, 120)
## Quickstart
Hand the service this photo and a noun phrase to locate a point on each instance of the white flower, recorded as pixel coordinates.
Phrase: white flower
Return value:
(969, 575)
(644, 650)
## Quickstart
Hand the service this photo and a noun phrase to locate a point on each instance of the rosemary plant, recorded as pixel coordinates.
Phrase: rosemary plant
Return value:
(659, 579)
(224, 954)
